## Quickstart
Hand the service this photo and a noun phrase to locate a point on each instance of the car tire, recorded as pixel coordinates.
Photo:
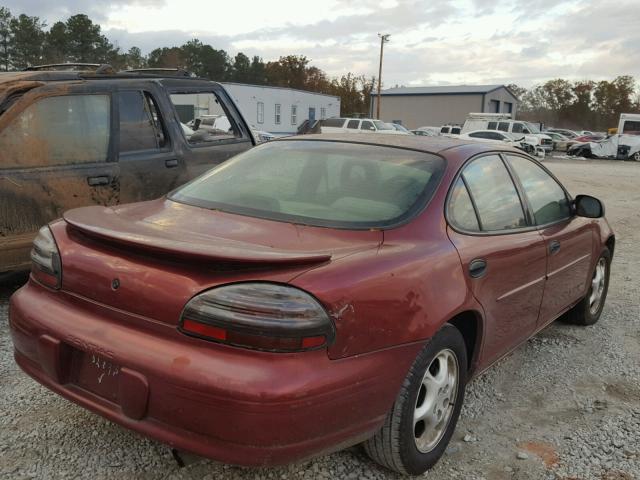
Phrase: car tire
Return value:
(437, 377)
(587, 311)
(636, 156)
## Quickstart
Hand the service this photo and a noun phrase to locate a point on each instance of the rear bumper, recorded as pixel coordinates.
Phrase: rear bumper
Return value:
(232, 405)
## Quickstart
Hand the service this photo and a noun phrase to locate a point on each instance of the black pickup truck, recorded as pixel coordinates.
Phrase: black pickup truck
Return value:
(71, 137)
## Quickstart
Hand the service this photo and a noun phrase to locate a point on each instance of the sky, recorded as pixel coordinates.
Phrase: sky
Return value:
(441, 42)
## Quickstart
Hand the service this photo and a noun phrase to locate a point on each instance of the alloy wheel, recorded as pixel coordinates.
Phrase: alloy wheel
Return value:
(597, 286)
(436, 400)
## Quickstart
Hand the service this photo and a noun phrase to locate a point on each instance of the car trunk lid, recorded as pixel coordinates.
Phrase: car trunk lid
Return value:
(150, 258)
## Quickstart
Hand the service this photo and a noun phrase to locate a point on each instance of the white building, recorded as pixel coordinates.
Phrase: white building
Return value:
(281, 110)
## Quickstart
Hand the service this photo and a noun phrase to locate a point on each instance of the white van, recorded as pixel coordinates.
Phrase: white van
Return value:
(504, 123)
(357, 125)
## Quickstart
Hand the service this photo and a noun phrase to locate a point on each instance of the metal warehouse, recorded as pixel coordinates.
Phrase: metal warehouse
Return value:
(416, 107)
(281, 110)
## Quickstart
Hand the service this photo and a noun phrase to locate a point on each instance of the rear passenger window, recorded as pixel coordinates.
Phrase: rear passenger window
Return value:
(461, 212)
(492, 125)
(546, 197)
(333, 122)
(504, 126)
(353, 124)
(61, 130)
(494, 194)
(141, 127)
(206, 115)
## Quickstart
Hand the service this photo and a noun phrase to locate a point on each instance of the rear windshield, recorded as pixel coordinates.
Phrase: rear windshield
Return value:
(332, 184)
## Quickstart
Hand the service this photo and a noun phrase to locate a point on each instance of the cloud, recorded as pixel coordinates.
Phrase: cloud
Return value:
(444, 42)
(52, 11)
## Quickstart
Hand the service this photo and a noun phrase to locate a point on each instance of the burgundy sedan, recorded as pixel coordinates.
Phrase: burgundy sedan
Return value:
(310, 294)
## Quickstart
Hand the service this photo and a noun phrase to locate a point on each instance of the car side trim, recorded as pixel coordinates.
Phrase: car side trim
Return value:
(568, 265)
(521, 288)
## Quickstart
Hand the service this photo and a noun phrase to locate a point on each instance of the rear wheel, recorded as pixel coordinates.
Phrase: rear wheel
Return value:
(589, 309)
(636, 156)
(419, 426)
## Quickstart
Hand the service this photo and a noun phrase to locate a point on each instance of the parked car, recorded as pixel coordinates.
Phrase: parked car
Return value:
(355, 125)
(624, 145)
(262, 136)
(399, 128)
(503, 122)
(215, 123)
(560, 142)
(589, 138)
(562, 131)
(450, 130)
(313, 293)
(424, 133)
(75, 138)
(434, 130)
(493, 136)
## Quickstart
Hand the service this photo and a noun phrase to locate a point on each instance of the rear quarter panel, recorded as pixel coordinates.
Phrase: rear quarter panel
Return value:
(401, 293)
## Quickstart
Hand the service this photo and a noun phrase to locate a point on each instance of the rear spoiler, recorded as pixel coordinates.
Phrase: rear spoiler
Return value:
(105, 224)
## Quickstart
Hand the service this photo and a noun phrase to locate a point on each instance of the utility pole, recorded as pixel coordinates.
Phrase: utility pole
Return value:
(384, 38)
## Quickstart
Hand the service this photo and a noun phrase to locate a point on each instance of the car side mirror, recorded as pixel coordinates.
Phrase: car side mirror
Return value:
(588, 206)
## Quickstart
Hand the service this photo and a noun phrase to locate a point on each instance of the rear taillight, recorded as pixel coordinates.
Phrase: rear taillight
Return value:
(45, 259)
(260, 316)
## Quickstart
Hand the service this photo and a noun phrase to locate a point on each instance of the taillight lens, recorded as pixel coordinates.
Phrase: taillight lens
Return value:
(260, 316)
(46, 267)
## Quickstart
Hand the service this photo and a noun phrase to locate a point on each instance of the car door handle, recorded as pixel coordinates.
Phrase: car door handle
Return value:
(97, 181)
(554, 247)
(172, 163)
(477, 268)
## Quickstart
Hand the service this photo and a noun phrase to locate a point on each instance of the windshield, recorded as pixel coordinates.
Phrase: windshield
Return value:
(400, 128)
(380, 125)
(321, 183)
(532, 127)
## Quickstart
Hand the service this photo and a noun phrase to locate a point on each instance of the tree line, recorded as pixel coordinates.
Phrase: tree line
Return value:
(584, 104)
(26, 41)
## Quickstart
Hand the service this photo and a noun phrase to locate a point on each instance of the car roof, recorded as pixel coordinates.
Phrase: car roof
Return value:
(75, 76)
(435, 145)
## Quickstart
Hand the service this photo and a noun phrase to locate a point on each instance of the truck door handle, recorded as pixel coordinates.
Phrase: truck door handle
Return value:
(477, 268)
(172, 163)
(97, 181)
(554, 247)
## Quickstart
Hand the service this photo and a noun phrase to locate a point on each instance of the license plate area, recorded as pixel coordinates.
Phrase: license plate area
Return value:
(96, 374)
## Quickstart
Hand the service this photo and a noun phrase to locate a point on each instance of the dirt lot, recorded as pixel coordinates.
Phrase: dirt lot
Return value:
(566, 405)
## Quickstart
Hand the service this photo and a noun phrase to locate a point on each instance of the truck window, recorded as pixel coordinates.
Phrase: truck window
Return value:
(353, 124)
(333, 122)
(504, 126)
(455, 130)
(367, 125)
(62, 130)
(631, 127)
(444, 130)
(205, 113)
(492, 125)
(517, 128)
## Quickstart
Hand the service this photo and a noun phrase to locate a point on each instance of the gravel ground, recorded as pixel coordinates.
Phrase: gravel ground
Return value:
(565, 405)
